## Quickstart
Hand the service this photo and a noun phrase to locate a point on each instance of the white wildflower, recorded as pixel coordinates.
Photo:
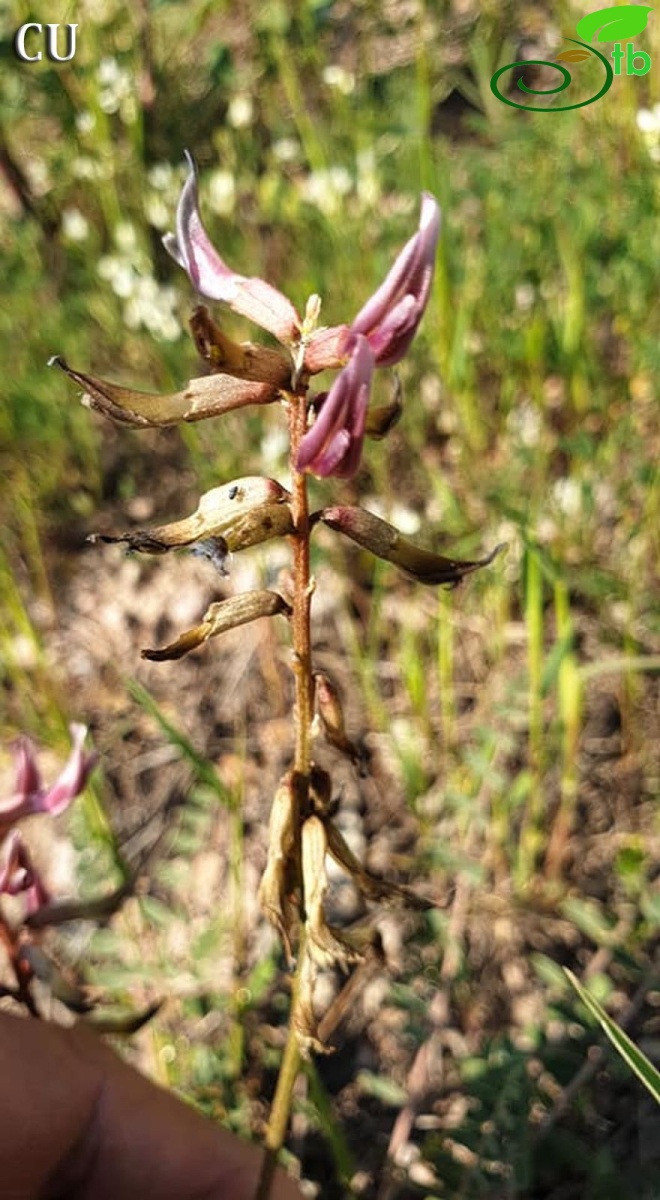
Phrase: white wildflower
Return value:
(567, 495)
(75, 226)
(339, 78)
(327, 189)
(241, 111)
(286, 149)
(160, 176)
(222, 192)
(85, 122)
(525, 424)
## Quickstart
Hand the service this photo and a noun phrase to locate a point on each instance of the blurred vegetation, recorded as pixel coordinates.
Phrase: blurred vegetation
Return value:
(531, 416)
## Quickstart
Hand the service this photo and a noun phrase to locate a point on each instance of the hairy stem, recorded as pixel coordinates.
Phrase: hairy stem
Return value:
(303, 713)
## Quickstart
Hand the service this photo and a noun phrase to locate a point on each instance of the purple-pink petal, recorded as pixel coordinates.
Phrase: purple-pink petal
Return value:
(334, 443)
(391, 339)
(389, 319)
(27, 775)
(193, 250)
(18, 873)
(73, 777)
(30, 796)
(327, 349)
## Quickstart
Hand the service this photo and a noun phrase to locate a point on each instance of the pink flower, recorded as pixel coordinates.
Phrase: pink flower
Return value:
(18, 873)
(30, 796)
(379, 335)
(390, 318)
(252, 298)
(334, 443)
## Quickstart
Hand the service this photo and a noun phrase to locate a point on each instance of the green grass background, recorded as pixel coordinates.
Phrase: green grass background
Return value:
(531, 411)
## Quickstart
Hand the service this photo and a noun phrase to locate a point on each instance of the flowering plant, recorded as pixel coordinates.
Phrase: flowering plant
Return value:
(326, 434)
(20, 877)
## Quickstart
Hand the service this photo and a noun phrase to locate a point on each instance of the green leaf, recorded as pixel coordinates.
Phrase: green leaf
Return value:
(629, 1052)
(384, 1089)
(614, 24)
(204, 770)
(589, 917)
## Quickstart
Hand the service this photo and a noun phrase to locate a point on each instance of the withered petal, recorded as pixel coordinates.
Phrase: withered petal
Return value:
(331, 714)
(275, 889)
(325, 944)
(371, 887)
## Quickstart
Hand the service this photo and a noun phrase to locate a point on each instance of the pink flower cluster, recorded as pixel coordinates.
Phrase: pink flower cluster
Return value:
(379, 336)
(17, 873)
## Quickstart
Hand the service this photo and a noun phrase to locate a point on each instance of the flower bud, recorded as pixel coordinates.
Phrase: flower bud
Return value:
(332, 717)
(385, 541)
(221, 616)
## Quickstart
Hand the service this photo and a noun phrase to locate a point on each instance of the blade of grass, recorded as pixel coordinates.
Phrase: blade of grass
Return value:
(630, 1053)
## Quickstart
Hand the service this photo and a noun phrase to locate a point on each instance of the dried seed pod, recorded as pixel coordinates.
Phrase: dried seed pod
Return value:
(219, 514)
(382, 419)
(242, 360)
(385, 541)
(126, 1024)
(58, 912)
(327, 946)
(209, 396)
(371, 887)
(332, 717)
(32, 960)
(320, 791)
(260, 525)
(274, 889)
(218, 618)
(303, 1019)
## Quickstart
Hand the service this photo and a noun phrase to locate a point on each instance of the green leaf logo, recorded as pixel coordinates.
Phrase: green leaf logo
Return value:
(614, 24)
(573, 56)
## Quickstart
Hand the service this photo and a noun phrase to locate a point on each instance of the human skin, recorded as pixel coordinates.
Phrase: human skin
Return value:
(76, 1123)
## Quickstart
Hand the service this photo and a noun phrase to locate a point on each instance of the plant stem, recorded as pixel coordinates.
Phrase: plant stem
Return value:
(302, 592)
(303, 712)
